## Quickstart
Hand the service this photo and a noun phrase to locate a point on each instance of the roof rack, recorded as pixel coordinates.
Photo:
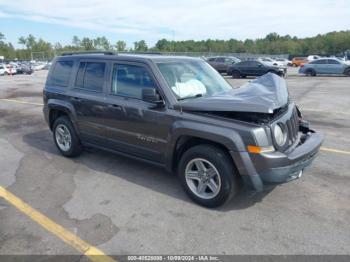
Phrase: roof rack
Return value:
(89, 53)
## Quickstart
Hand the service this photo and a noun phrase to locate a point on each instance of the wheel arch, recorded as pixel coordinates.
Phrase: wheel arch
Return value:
(58, 108)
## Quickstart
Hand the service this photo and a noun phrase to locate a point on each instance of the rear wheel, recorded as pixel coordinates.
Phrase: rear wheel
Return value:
(310, 72)
(65, 137)
(236, 74)
(207, 175)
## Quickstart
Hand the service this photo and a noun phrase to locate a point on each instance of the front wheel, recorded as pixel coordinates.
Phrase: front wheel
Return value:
(208, 175)
(65, 137)
(347, 72)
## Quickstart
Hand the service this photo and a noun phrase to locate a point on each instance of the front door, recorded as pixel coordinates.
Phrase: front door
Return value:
(133, 126)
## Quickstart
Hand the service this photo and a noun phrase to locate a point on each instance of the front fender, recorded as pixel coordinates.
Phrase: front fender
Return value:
(226, 137)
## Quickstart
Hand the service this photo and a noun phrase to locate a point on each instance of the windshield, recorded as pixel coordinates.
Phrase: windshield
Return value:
(190, 79)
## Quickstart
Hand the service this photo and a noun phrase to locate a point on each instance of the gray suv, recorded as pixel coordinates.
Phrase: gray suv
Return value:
(180, 114)
(222, 63)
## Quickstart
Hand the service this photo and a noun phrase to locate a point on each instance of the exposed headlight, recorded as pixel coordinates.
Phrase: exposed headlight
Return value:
(280, 136)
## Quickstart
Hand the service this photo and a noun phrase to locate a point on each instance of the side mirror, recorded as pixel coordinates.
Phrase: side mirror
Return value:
(150, 95)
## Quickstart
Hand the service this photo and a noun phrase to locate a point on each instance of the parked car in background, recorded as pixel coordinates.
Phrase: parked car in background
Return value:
(253, 68)
(297, 61)
(272, 62)
(312, 57)
(24, 69)
(284, 61)
(2, 69)
(9, 69)
(325, 66)
(222, 63)
(38, 66)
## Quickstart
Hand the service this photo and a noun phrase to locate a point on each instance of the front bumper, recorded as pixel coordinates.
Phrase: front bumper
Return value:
(277, 167)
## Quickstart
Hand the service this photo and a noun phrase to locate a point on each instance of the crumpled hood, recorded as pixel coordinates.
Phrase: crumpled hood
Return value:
(262, 95)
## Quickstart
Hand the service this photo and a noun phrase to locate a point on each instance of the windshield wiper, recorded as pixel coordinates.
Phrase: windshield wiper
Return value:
(189, 97)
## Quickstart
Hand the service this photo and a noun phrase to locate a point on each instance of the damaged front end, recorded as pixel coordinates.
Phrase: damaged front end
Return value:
(284, 143)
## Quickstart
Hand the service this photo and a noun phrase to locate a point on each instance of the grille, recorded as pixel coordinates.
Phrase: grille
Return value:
(292, 125)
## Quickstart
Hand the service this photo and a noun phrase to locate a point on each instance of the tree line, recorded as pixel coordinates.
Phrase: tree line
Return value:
(332, 43)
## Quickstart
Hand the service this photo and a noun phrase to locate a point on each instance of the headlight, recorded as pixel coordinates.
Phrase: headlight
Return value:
(280, 136)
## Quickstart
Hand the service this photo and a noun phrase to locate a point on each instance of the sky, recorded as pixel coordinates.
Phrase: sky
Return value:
(151, 20)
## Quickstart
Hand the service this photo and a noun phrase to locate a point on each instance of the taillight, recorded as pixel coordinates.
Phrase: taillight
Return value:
(301, 65)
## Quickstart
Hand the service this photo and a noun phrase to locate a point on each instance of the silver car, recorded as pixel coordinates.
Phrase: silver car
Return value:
(325, 66)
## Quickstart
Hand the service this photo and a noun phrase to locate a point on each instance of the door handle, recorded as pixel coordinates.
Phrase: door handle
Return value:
(118, 107)
(76, 99)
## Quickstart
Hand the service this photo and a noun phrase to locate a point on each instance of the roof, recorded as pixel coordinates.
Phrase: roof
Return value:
(126, 56)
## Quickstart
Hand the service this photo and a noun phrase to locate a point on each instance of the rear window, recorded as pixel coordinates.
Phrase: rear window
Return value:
(91, 76)
(61, 73)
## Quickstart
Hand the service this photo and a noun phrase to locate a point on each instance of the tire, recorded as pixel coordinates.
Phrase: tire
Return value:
(221, 168)
(236, 74)
(294, 65)
(72, 149)
(310, 72)
(347, 72)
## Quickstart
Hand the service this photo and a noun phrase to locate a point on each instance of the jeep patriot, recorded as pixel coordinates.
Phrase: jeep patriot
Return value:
(180, 114)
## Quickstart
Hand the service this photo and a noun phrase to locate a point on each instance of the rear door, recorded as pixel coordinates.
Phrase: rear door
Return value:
(133, 126)
(89, 100)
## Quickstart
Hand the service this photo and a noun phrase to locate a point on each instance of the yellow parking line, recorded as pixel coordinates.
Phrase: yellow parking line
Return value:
(335, 150)
(21, 102)
(91, 252)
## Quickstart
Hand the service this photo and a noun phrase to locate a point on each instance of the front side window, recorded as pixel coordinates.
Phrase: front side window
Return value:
(220, 60)
(254, 63)
(129, 80)
(61, 73)
(190, 79)
(333, 62)
(90, 76)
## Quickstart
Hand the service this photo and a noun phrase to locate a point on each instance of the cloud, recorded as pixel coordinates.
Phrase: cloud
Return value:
(186, 19)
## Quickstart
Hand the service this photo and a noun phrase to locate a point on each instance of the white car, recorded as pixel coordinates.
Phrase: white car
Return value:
(2, 69)
(7, 70)
(269, 61)
(284, 61)
(38, 66)
(312, 57)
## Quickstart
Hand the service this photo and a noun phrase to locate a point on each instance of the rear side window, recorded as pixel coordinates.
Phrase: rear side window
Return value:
(319, 62)
(61, 73)
(129, 80)
(90, 76)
